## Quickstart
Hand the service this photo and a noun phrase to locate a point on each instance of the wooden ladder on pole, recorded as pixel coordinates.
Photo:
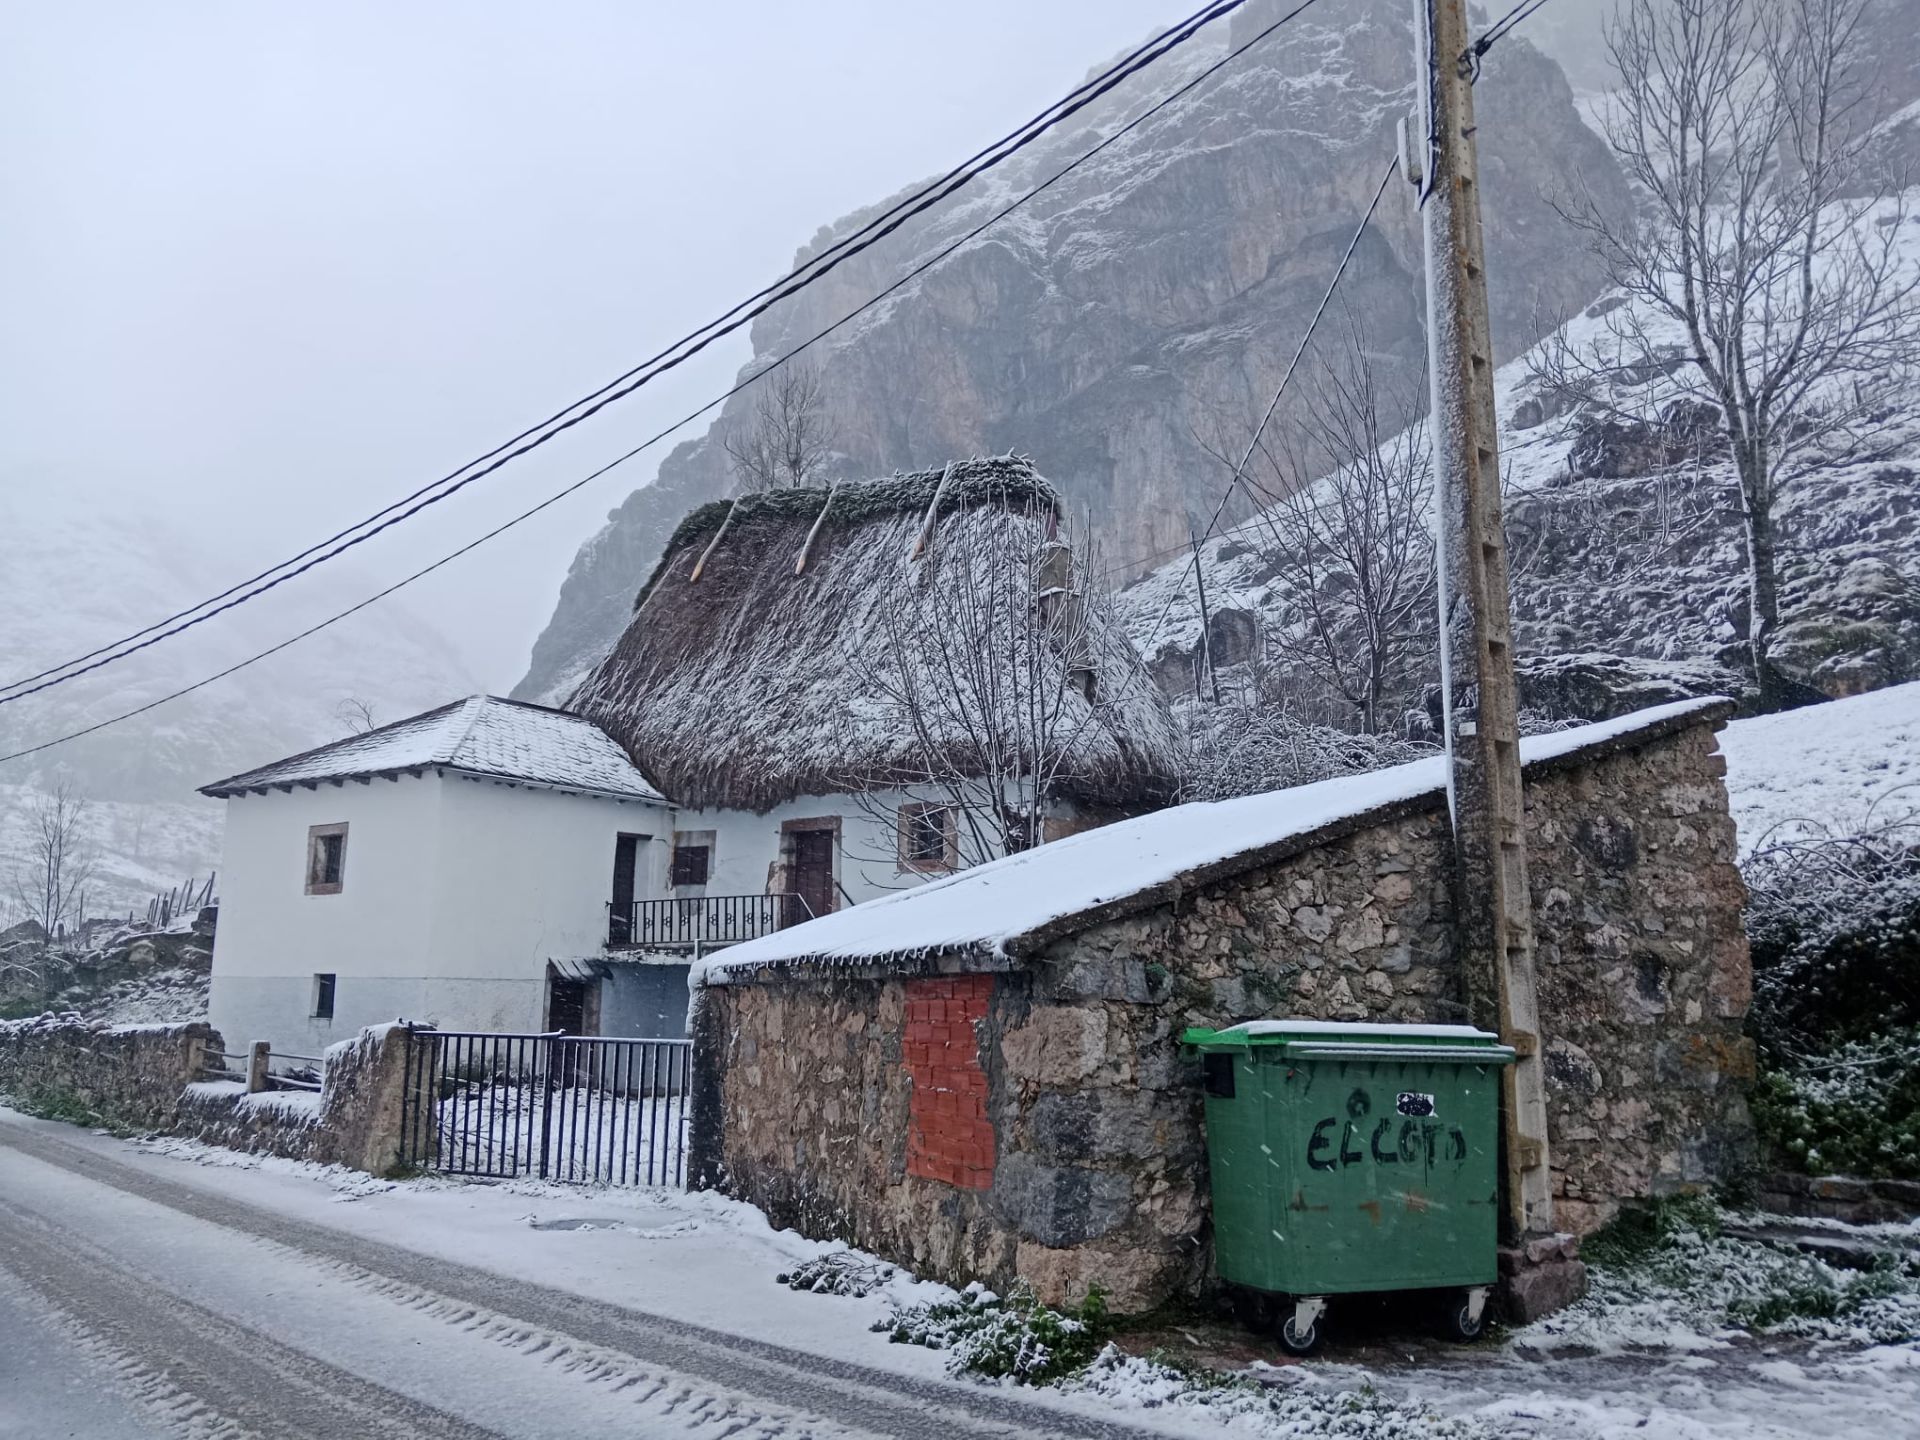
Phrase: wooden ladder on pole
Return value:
(1494, 909)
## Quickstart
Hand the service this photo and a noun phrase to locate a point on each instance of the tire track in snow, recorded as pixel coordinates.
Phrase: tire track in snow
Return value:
(198, 1372)
(849, 1394)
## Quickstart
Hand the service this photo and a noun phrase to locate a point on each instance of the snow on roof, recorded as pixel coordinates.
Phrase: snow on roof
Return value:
(1357, 1029)
(480, 735)
(1831, 769)
(1014, 904)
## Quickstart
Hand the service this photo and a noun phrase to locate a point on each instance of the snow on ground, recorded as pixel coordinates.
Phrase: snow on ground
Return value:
(704, 1259)
(1831, 769)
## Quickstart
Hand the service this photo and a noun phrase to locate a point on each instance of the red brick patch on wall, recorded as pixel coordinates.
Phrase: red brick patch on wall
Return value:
(949, 1135)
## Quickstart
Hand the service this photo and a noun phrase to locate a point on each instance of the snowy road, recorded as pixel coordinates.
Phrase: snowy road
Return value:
(163, 1290)
(220, 1318)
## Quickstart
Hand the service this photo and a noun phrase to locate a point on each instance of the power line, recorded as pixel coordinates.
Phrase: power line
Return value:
(1238, 475)
(1498, 31)
(682, 350)
(919, 270)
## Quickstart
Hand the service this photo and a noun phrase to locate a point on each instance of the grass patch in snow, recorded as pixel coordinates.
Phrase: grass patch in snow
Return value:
(1021, 1340)
(64, 1106)
(1670, 1276)
(1237, 1405)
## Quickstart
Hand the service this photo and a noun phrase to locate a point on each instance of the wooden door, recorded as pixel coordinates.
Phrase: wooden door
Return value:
(813, 871)
(566, 1006)
(626, 856)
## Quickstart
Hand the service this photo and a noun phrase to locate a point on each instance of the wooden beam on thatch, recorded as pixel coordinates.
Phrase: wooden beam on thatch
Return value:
(713, 544)
(806, 549)
(933, 513)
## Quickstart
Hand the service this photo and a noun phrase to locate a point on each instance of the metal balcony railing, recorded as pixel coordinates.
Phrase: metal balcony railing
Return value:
(708, 920)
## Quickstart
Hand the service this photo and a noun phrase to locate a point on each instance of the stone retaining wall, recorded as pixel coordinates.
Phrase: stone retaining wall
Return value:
(147, 1077)
(354, 1119)
(1077, 1155)
(129, 1075)
(1841, 1197)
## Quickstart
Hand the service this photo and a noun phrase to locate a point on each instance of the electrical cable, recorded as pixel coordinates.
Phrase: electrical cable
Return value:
(1497, 31)
(676, 354)
(1236, 479)
(1181, 91)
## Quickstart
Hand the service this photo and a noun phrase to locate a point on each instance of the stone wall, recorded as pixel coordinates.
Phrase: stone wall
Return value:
(129, 1075)
(1094, 1169)
(147, 1077)
(353, 1120)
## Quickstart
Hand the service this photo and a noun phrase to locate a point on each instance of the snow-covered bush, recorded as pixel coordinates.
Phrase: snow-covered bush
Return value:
(843, 1272)
(1017, 1338)
(1238, 750)
(1835, 927)
(1673, 1268)
(1853, 1110)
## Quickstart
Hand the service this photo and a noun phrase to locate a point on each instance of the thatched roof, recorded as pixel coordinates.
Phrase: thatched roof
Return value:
(763, 679)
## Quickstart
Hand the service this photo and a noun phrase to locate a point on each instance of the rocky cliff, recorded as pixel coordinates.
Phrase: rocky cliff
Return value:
(1148, 303)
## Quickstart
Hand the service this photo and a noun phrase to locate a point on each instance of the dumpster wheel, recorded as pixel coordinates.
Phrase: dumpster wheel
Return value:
(1466, 1315)
(1299, 1328)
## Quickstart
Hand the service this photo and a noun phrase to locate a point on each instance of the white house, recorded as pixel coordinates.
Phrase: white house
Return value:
(455, 867)
(844, 692)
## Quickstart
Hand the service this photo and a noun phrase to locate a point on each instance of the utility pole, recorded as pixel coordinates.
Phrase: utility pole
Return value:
(1494, 910)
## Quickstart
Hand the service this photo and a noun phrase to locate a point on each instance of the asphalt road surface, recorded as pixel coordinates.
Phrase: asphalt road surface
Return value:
(136, 1306)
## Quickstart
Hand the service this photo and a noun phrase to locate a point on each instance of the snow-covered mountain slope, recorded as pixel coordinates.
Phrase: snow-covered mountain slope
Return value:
(1836, 769)
(1147, 303)
(78, 575)
(1627, 544)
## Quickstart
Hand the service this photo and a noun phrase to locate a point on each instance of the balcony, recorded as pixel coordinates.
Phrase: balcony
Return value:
(708, 920)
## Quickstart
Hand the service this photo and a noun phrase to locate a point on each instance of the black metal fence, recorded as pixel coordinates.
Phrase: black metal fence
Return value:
(707, 920)
(591, 1109)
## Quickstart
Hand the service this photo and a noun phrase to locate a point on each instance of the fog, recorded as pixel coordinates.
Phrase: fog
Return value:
(268, 267)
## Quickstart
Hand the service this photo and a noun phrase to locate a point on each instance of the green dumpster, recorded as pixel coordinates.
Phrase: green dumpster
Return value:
(1353, 1157)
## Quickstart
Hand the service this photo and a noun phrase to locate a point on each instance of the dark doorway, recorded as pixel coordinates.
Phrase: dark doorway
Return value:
(566, 1006)
(813, 871)
(626, 859)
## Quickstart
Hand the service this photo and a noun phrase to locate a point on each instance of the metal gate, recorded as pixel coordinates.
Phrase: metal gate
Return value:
(584, 1108)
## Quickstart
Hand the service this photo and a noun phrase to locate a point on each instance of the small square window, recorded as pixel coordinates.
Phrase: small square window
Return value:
(691, 864)
(927, 838)
(323, 997)
(326, 859)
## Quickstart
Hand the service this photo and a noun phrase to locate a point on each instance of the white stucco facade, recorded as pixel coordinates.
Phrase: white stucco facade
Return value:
(457, 868)
(455, 894)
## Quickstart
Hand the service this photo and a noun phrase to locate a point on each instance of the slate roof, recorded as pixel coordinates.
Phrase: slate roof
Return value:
(481, 735)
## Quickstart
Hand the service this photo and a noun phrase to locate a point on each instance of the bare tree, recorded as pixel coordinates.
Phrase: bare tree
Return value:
(790, 436)
(989, 666)
(356, 714)
(1768, 299)
(59, 859)
(1353, 550)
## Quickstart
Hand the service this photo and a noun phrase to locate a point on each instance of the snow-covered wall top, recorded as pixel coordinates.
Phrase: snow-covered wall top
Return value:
(1010, 906)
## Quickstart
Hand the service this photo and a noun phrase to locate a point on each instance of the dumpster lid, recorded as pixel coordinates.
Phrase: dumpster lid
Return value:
(1308, 1038)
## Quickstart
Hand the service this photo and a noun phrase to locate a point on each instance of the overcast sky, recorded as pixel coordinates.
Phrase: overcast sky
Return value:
(267, 266)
